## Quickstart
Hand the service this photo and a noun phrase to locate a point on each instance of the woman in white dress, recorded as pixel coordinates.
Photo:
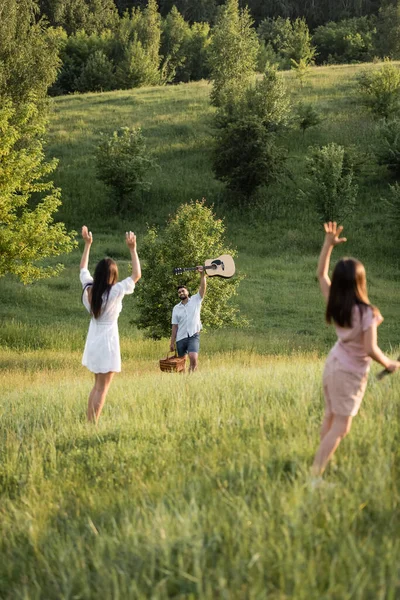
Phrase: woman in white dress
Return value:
(102, 297)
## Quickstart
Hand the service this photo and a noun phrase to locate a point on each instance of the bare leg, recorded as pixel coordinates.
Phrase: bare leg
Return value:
(194, 359)
(326, 425)
(98, 395)
(339, 428)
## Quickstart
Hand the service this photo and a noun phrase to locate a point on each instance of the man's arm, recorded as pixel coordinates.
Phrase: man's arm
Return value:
(203, 281)
(173, 337)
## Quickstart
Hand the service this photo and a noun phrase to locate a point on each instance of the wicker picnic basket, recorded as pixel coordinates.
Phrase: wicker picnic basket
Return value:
(173, 364)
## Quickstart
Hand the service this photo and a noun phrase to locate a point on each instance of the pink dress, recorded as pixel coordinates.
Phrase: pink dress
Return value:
(347, 366)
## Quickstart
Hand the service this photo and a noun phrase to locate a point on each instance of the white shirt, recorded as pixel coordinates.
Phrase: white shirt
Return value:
(187, 317)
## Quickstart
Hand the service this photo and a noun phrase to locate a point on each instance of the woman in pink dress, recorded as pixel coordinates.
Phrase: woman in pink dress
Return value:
(347, 366)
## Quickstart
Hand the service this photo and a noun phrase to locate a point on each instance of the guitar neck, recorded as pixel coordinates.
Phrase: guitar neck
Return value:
(183, 269)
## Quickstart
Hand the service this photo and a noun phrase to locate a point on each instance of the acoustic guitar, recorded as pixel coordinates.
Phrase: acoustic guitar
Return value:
(223, 266)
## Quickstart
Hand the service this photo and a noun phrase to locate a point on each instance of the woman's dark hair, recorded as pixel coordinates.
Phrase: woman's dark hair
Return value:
(105, 276)
(348, 289)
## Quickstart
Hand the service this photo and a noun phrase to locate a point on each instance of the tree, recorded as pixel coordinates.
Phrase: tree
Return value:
(331, 186)
(195, 228)
(92, 16)
(175, 35)
(247, 154)
(350, 40)
(150, 36)
(232, 54)
(28, 201)
(387, 147)
(307, 116)
(123, 163)
(380, 90)
(387, 38)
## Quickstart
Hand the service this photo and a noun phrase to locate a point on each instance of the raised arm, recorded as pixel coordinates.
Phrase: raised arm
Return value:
(88, 239)
(131, 243)
(203, 281)
(372, 349)
(332, 239)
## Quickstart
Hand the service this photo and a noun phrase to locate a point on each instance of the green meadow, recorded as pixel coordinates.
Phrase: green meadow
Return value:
(198, 486)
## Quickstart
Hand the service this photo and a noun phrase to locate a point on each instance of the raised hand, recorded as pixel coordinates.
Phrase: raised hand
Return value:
(87, 235)
(332, 233)
(130, 240)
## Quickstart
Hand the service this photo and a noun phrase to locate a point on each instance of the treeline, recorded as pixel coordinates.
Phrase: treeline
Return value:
(68, 12)
(102, 50)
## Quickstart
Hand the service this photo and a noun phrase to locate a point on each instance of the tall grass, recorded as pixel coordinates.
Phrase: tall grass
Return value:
(195, 487)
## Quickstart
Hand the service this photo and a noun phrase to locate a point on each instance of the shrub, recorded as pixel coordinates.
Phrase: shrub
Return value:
(330, 185)
(307, 116)
(246, 156)
(380, 90)
(348, 41)
(97, 75)
(123, 163)
(191, 236)
(387, 149)
(393, 208)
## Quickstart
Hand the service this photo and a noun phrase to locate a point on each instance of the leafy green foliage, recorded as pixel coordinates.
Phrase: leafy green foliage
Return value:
(307, 116)
(387, 39)
(349, 40)
(91, 16)
(233, 54)
(289, 41)
(246, 154)
(330, 181)
(175, 35)
(393, 208)
(380, 90)
(97, 75)
(123, 163)
(191, 236)
(387, 147)
(28, 201)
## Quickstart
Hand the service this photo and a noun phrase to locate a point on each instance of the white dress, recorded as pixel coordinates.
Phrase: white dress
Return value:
(102, 353)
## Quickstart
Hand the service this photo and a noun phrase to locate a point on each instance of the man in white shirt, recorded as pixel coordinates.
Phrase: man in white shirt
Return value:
(186, 324)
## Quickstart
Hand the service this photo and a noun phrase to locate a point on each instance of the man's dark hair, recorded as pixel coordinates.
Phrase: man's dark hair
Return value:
(178, 287)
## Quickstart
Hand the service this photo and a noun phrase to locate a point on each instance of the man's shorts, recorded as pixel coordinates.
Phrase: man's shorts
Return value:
(188, 344)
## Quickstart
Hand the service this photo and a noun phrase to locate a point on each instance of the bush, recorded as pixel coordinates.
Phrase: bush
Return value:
(191, 236)
(393, 208)
(307, 116)
(331, 188)
(387, 149)
(246, 156)
(380, 90)
(123, 163)
(97, 75)
(348, 41)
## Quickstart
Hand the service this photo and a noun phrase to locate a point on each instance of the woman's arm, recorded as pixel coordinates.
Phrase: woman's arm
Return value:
(131, 242)
(332, 233)
(88, 238)
(372, 349)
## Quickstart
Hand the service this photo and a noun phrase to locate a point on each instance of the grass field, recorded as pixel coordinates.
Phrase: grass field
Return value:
(194, 487)
(198, 487)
